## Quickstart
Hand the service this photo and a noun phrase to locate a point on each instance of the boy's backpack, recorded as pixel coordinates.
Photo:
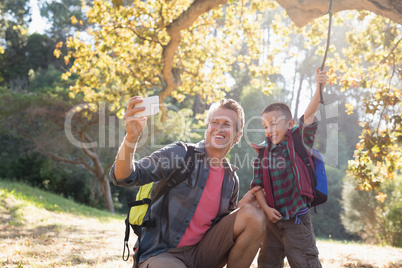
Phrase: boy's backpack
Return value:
(137, 216)
(318, 175)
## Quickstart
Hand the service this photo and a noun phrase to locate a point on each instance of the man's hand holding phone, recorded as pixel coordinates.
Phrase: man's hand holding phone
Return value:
(151, 105)
(136, 115)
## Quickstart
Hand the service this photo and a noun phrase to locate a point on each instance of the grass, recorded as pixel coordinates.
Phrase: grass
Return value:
(49, 201)
(40, 229)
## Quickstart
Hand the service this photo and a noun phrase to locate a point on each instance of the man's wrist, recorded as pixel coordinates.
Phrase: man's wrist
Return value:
(132, 139)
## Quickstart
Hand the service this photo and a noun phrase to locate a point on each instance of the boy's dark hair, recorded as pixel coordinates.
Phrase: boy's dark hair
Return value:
(278, 106)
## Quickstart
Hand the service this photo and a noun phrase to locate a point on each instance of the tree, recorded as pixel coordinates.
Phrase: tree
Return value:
(371, 67)
(14, 17)
(165, 48)
(175, 48)
(303, 12)
(39, 48)
(65, 17)
(52, 123)
(376, 215)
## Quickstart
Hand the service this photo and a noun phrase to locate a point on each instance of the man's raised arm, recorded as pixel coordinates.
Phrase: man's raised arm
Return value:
(134, 127)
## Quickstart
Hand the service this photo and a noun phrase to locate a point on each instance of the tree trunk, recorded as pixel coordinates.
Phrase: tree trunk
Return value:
(99, 172)
(105, 187)
(294, 85)
(295, 116)
(197, 104)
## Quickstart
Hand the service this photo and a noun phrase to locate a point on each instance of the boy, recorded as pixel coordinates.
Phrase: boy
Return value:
(287, 186)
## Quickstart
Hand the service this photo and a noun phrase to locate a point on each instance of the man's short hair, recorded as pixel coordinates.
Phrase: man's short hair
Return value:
(230, 105)
(280, 107)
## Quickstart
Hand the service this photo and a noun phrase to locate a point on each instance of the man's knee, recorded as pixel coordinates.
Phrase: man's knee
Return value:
(253, 217)
(162, 260)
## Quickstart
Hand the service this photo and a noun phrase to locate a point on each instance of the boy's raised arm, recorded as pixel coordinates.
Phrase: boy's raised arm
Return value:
(309, 114)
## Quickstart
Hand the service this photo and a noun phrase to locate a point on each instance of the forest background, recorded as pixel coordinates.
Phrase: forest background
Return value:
(63, 94)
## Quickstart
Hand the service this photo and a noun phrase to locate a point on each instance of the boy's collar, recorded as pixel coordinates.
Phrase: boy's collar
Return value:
(263, 144)
(257, 147)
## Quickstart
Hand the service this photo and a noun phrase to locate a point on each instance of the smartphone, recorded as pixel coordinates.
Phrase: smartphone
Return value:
(151, 105)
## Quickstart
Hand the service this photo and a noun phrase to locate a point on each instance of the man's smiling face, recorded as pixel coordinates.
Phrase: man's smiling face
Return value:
(221, 129)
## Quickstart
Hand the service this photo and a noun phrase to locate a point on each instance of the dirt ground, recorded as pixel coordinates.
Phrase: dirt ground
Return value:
(33, 237)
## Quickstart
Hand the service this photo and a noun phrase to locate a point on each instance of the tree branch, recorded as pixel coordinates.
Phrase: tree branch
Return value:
(302, 12)
(107, 169)
(50, 154)
(391, 52)
(84, 136)
(184, 21)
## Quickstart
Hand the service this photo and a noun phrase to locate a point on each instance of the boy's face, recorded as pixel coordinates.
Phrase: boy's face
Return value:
(276, 125)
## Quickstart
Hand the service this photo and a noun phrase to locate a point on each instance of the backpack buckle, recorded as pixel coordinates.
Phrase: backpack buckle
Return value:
(307, 162)
(148, 222)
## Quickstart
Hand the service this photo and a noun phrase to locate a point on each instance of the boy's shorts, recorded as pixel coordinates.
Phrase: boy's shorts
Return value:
(212, 251)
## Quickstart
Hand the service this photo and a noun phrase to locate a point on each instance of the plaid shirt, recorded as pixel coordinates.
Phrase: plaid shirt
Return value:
(285, 195)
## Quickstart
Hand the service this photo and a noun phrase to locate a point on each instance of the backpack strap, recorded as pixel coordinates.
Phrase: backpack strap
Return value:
(139, 202)
(179, 175)
(127, 223)
(261, 153)
(303, 154)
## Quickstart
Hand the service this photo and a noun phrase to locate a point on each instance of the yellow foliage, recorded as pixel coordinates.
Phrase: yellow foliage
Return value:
(349, 108)
(381, 197)
(65, 75)
(122, 54)
(369, 64)
(57, 53)
(127, 49)
(74, 20)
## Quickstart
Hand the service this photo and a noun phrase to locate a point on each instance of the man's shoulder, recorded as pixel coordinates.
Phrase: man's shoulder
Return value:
(171, 151)
(199, 147)
(180, 150)
(232, 168)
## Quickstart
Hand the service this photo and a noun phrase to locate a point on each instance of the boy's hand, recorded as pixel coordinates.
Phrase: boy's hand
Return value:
(321, 78)
(273, 215)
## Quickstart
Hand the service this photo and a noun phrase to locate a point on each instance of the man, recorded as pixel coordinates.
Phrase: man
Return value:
(205, 227)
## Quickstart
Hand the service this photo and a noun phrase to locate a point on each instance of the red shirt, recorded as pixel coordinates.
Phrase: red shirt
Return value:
(207, 209)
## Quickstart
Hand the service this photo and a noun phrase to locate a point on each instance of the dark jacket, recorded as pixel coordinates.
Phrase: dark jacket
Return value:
(182, 199)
